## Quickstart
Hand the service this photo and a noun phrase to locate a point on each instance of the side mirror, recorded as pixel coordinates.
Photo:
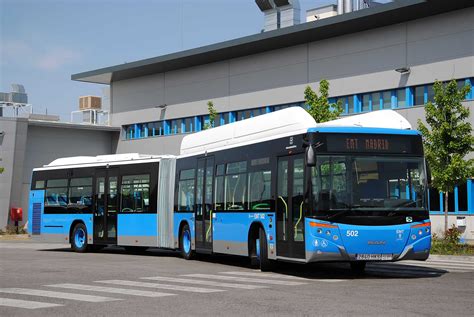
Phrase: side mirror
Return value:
(310, 157)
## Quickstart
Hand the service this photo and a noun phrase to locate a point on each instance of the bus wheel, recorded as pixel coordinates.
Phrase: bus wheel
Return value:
(185, 243)
(79, 238)
(262, 252)
(358, 267)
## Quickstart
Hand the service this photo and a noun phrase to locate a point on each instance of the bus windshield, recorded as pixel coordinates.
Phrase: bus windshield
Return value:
(357, 183)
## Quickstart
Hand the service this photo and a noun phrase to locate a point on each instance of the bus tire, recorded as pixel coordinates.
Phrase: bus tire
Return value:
(358, 267)
(79, 238)
(185, 243)
(265, 263)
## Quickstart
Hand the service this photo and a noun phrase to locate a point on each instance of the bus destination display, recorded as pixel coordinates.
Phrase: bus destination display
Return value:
(368, 143)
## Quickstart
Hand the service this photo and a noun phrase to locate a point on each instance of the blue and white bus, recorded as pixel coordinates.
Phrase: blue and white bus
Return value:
(275, 187)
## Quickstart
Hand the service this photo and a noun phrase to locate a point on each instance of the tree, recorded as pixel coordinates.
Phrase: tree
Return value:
(1, 170)
(212, 115)
(319, 107)
(448, 139)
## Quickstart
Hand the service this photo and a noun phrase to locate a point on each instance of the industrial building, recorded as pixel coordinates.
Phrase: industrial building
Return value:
(378, 57)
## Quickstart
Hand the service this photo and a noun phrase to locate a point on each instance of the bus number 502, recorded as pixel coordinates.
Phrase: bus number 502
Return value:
(352, 233)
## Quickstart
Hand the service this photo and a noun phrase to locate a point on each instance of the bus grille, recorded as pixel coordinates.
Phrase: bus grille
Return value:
(36, 226)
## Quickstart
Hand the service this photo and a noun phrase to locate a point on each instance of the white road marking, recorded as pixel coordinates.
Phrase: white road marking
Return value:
(202, 282)
(163, 286)
(450, 268)
(124, 291)
(265, 275)
(33, 246)
(244, 279)
(43, 293)
(28, 304)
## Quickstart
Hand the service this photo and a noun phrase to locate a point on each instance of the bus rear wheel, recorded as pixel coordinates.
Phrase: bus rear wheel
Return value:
(79, 238)
(185, 243)
(262, 252)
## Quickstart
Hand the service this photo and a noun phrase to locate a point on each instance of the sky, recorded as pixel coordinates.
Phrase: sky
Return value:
(44, 42)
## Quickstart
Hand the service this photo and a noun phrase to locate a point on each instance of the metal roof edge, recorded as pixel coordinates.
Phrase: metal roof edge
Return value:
(352, 22)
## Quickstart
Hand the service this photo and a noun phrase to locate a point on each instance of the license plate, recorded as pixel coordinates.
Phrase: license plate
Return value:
(374, 257)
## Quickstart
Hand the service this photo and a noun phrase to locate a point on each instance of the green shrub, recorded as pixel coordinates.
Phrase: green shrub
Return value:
(450, 243)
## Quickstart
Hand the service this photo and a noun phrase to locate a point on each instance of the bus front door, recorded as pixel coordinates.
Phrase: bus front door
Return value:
(106, 206)
(290, 204)
(204, 199)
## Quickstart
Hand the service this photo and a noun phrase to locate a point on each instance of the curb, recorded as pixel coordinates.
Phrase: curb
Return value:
(466, 258)
(13, 237)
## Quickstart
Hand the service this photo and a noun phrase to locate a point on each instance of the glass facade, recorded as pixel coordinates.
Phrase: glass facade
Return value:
(369, 101)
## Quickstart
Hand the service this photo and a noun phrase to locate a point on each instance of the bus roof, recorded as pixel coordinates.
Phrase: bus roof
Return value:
(278, 124)
(101, 160)
(283, 123)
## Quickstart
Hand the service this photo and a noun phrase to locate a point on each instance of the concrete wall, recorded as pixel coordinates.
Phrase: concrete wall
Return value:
(437, 226)
(438, 47)
(27, 145)
(12, 146)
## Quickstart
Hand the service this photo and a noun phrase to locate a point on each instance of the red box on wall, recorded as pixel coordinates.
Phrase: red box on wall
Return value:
(16, 214)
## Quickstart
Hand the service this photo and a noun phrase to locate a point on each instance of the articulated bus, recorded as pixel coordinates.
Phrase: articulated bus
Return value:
(275, 187)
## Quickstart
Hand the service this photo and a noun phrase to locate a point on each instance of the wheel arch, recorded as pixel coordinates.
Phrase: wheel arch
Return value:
(183, 223)
(253, 234)
(73, 225)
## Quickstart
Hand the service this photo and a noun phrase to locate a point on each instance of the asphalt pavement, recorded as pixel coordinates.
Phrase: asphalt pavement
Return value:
(50, 280)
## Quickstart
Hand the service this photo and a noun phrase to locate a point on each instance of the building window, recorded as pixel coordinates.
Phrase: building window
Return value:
(387, 99)
(187, 125)
(419, 95)
(462, 197)
(350, 104)
(365, 103)
(401, 98)
(375, 101)
(430, 93)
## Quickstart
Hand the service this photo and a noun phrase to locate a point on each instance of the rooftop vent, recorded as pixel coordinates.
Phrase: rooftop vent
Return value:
(279, 13)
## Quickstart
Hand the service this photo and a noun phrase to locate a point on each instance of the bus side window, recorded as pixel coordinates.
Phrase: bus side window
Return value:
(186, 190)
(135, 193)
(260, 190)
(219, 188)
(80, 194)
(235, 185)
(56, 198)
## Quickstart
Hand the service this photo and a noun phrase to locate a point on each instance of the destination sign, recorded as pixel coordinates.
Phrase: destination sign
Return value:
(370, 143)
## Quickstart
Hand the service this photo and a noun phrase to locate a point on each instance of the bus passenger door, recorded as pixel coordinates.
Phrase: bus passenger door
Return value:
(290, 207)
(204, 199)
(106, 206)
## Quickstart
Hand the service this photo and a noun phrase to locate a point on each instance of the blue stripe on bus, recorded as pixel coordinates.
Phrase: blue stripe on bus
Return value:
(137, 224)
(61, 223)
(235, 226)
(363, 130)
